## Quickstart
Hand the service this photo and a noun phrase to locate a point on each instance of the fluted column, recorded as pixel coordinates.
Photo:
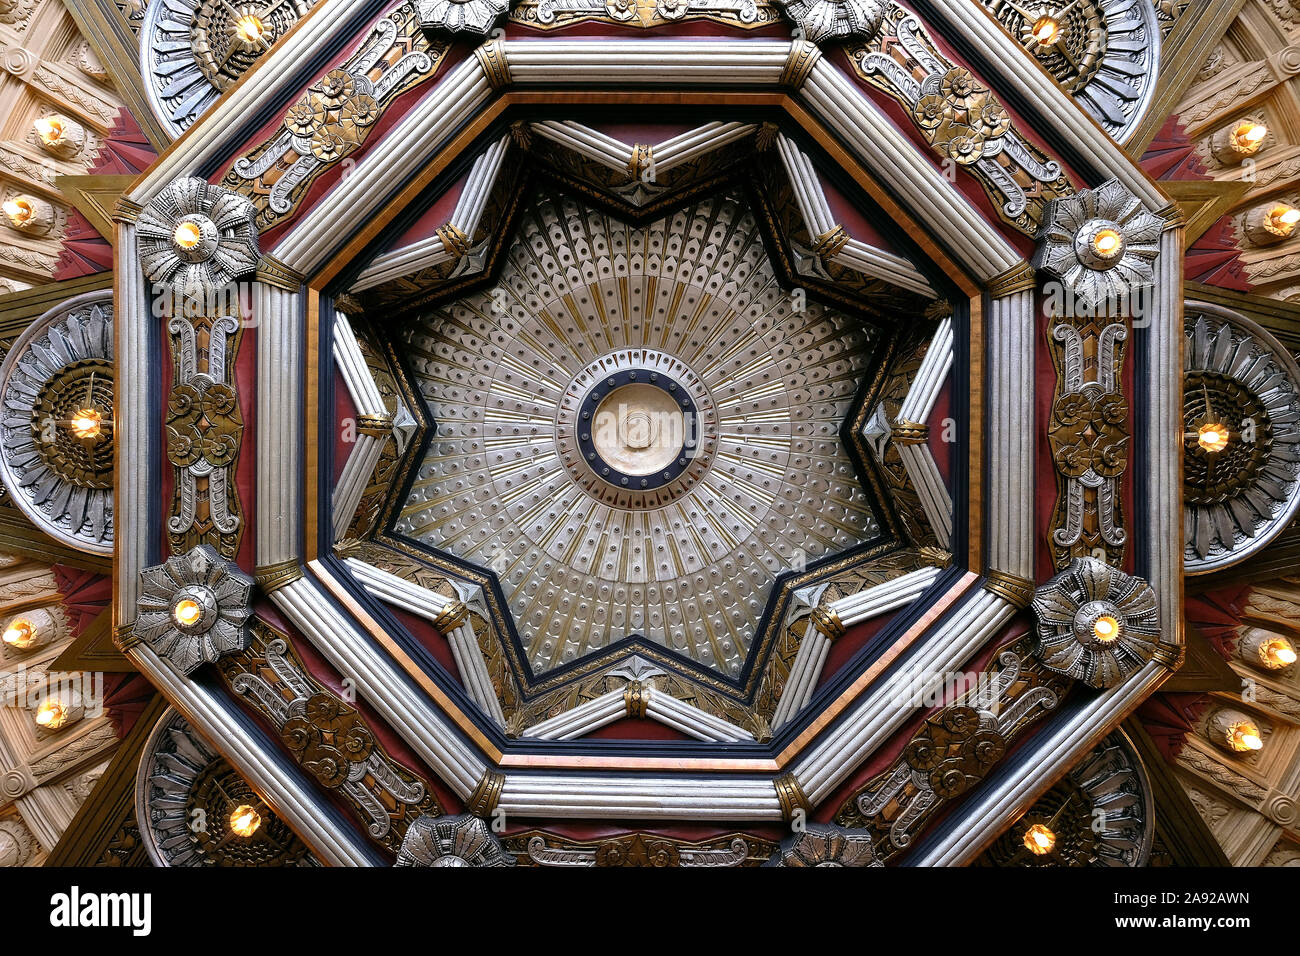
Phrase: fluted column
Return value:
(1009, 481)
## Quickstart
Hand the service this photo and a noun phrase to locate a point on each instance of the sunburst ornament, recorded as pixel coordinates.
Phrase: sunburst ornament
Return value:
(829, 20)
(193, 608)
(459, 841)
(474, 17)
(1102, 244)
(1096, 623)
(197, 237)
(1241, 441)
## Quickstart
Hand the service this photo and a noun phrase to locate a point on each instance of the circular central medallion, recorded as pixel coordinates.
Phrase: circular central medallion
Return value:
(637, 429)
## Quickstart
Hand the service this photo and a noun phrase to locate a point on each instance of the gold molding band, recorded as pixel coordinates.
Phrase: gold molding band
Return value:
(272, 577)
(492, 57)
(453, 240)
(910, 433)
(271, 271)
(125, 638)
(830, 242)
(487, 794)
(376, 426)
(1019, 278)
(126, 210)
(637, 699)
(1171, 655)
(348, 548)
(791, 796)
(1016, 590)
(451, 617)
(1174, 215)
(828, 623)
(799, 64)
(643, 158)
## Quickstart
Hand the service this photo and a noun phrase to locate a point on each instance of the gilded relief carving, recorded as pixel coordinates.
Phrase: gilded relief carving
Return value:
(1088, 435)
(335, 117)
(955, 748)
(205, 429)
(327, 736)
(961, 119)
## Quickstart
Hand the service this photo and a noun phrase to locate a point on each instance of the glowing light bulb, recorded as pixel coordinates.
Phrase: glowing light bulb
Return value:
(1105, 628)
(1106, 243)
(250, 29)
(1244, 737)
(1039, 840)
(49, 129)
(1283, 219)
(187, 612)
(18, 210)
(1212, 437)
(87, 423)
(1249, 136)
(20, 633)
(51, 714)
(187, 235)
(1046, 30)
(1278, 651)
(245, 821)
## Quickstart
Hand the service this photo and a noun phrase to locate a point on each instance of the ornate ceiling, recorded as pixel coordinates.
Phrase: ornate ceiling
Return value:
(472, 433)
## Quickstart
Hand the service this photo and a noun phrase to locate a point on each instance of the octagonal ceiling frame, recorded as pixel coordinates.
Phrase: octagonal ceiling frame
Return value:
(862, 132)
(486, 167)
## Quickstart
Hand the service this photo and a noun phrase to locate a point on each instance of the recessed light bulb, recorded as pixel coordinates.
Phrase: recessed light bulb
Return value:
(250, 29)
(1046, 30)
(1105, 628)
(1106, 242)
(1212, 436)
(187, 235)
(87, 423)
(187, 612)
(19, 633)
(1039, 840)
(244, 820)
(49, 129)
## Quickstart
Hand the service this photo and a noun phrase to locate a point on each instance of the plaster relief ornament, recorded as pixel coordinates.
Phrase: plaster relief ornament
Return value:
(1104, 53)
(461, 16)
(826, 845)
(56, 426)
(463, 840)
(182, 779)
(1096, 623)
(830, 20)
(197, 237)
(1241, 438)
(1102, 244)
(193, 608)
(193, 50)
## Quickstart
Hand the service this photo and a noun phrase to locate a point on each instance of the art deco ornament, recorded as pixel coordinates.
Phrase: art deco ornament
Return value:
(461, 16)
(826, 845)
(193, 608)
(829, 20)
(463, 840)
(1096, 623)
(1241, 443)
(54, 380)
(197, 237)
(1101, 243)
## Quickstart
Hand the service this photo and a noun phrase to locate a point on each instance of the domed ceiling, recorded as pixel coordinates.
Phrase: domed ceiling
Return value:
(691, 434)
(636, 431)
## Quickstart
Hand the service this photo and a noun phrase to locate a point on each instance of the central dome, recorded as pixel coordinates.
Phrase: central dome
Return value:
(638, 431)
